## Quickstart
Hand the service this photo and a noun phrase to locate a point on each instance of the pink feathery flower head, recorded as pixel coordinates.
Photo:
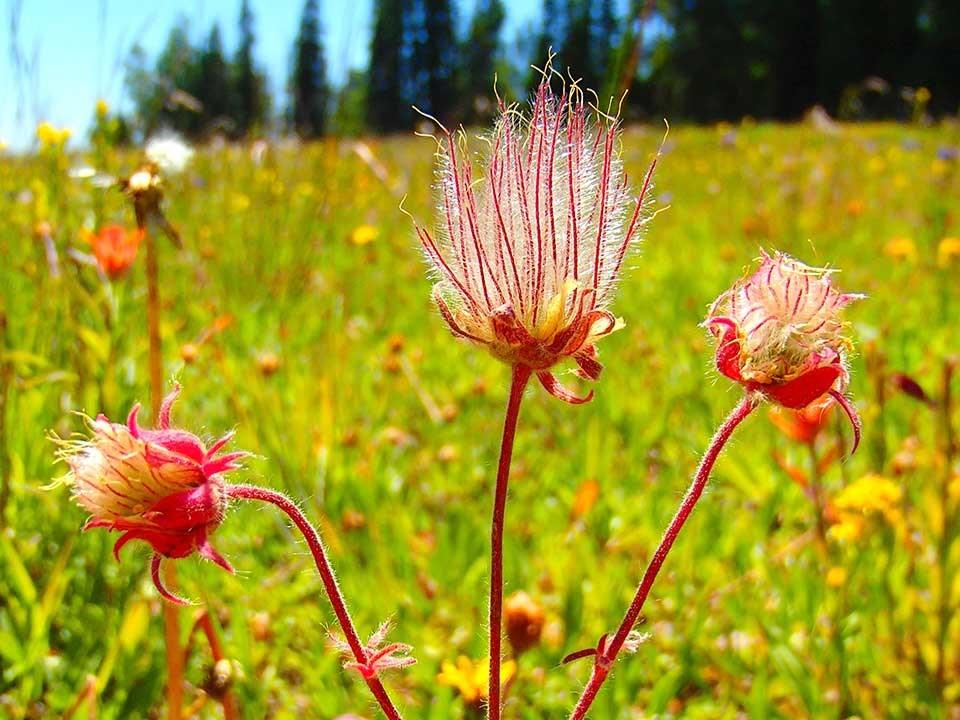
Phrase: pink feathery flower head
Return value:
(779, 333)
(527, 256)
(162, 486)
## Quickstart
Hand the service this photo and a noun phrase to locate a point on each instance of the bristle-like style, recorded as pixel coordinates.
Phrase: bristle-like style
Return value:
(527, 257)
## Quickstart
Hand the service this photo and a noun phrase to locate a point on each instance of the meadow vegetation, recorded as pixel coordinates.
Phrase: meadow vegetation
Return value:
(298, 312)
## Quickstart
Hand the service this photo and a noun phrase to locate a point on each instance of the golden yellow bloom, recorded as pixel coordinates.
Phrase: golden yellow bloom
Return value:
(469, 677)
(871, 493)
(103, 109)
(901, 248)
(836, 576)
(847, 529)
(870, 496)
(948, 251)
(364, 234)
(239, 202)
(51, 137)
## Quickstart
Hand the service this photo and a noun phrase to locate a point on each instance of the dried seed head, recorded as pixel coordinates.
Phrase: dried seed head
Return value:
(523, 618)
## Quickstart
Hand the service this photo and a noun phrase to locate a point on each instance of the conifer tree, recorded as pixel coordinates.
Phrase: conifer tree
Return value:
(480, 54)
(213, 86)
(309, 83)
(387, 104)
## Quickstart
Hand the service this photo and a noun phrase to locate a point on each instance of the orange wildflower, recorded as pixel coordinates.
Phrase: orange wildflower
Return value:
(115, 248)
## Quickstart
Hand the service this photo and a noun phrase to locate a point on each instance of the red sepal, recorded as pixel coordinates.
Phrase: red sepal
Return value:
(803, 390)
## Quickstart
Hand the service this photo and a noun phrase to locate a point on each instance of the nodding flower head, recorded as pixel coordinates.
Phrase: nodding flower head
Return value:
(162, 486)
(527, 257)
(779, 333)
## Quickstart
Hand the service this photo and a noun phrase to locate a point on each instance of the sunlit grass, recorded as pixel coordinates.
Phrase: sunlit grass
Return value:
(299, 312)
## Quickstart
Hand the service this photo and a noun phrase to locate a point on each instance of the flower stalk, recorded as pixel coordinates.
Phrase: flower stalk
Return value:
(363, 660)
(166, 487)
(171, 615)
(520, 377)
(607, 651)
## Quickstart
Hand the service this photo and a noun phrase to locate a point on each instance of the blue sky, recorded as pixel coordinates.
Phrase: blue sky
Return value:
(77, 48)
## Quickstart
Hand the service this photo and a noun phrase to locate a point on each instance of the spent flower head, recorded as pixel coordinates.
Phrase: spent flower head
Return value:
(524, 619)
(145, 189)
(527, 257)
(162, 486)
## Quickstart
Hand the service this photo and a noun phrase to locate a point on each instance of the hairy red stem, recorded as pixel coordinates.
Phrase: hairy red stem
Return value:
(171, 614)
(310, 534)
(521, 374)
(605, 660)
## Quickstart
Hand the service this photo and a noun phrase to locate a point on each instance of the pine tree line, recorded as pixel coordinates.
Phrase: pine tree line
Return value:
(701, 60)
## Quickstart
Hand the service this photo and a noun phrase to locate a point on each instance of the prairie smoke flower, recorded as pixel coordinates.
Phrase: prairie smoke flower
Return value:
(167, 488)
(527, 259)
(779, 331)
(779, 334)
(115, 248)
(162, 486)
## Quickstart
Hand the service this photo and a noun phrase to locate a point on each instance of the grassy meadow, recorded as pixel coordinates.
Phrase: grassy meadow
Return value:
(298, 312)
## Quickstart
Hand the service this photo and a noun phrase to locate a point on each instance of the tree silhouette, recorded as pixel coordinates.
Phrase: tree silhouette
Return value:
(309, 81)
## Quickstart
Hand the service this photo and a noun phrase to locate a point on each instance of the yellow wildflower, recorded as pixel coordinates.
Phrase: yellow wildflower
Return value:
(364, 235)
(239, 202)
(901, 248)
(948, 251)
(847, 529)
(954, 487)
(469, 677)
(51, 137)
(103, 109)
(871, 495)
(836, 576)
